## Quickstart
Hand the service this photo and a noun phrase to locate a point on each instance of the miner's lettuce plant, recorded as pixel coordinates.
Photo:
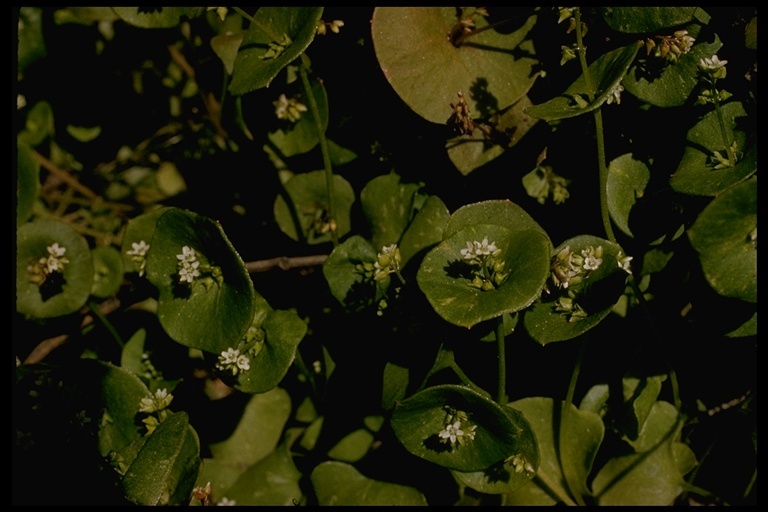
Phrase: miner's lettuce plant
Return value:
(396, 366)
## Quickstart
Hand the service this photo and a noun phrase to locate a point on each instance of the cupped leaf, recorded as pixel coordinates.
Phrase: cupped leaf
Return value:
(276, 37)
(108, 271)
(339, 484)
(677, 80)
(595, 295)
(583, 96)
(309, 195)
(696, 174)
(566, 462)
(627, 179)
(259, 430)
(166, 467)
(44, 292)
(283, 331)
(347, 284)
(138, 239)
(725, 237)
(500, 212)
(157, 17)
(27, 182)
(213, 312)
(425, 230)
(302, 136)
(419, 420)
(388, 206)
(448, 281)
(637, 20)
(471, 151)
(654, 475)
(510, 474)
(492, 70)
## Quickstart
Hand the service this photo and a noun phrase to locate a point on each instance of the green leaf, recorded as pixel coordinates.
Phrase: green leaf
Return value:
(748, 328)
(638, 20)
(221, 474)
(639, 397)
(627, 179)
(61, 292)
(346, 284)
(425, 230)
(254, 67)
(211, 315)
(302, 136)
(84, 133)
(31, 41)
(157, 17)
(226, 46)
(388, 206)
(596, 295)
(352, 447)
(283, 332)
(418, 420)
(139, 229)
(471, 151)
(653, 477)
(695, 174)
(309, 195)
(501, 212)
(274, 480)
(39, 124)
(27, 182)
(725, 237)
(606, 73)
(444, 280)
(339, 484)
(493, 70)
(108, 271)
(677, 80)
(166, 467)
(258, 431)
(582, 439)
(131, 355)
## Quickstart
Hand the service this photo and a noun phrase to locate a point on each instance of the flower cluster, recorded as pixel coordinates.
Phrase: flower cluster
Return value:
(615, 95)
(333, 26)
(520, 464)
(51, 264)
(453, 432)
(276, 48)
(488, 271)
(289, 109)
(671, 47)
(233, 361)
(387, 262)
(188, 265)
(156, 406)
(569, 269)
(138, 254)
(238, 359)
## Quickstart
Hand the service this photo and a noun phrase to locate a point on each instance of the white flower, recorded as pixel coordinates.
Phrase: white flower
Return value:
(226, 502)
(477, 251)
(290, 109)
(229, 356)
(243, 363)
(138, 249)
(55, 261)
(187, 255)
(189, 272)
(452, 433)
(623, 262)
(712, 64)
(56, 251)
(615, 95)
(592, 257)
(157, 402)
(232, 360)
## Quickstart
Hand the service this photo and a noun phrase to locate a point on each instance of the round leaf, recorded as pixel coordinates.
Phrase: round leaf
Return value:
(445, 280)
(210, 315)
(289, 29)
(388, 206)
(500, 212)
(627, 179)
(725, 237)
(492, 70)
(339, 484)
(108, 271)
(346, 284)
(61, 292)
(418, 420)
(309, 194)
(271, 481)
(598, 293)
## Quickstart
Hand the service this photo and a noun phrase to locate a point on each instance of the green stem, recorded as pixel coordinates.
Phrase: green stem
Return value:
(599, 132)
(103, 319)
(723, 131)
(315, 110)
(565, 423)
(501, 395)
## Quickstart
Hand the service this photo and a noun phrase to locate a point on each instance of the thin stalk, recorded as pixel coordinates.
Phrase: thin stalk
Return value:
(723, 131)
(565, 417)
(103, 319)
(501, 395)
(315, 110)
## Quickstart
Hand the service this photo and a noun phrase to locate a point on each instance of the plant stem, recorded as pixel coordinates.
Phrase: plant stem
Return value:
(501, 395)
(315, 111)
(599, 132)
(723, 131)
(565, 423)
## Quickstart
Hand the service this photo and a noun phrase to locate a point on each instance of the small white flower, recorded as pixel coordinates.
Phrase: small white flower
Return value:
(229, 356)
(615, 95)
(592, 257)
(226, 502)
(623, 262)
(157, 402)
(712, 64)
(243, 363)
(187, 255)
(189, 272)
(138, 249)
(453, 433)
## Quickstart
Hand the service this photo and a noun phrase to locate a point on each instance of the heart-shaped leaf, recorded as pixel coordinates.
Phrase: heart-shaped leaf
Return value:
(54, 269)
(605, 75)
(493, 70)
(213, 311)
(157, 17)
(276, 37)
(426, 425)
(309, 194)
(725, 238)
